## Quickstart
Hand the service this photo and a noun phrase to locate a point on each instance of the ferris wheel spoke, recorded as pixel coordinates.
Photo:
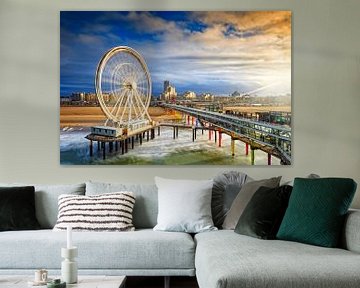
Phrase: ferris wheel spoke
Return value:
(137, 108)
(119, 105)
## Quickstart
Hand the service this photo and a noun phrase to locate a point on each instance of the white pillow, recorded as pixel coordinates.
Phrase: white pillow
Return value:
(104, 212)
(184, 205)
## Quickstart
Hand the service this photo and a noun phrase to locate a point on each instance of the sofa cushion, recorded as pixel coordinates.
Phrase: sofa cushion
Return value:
(225, 259)
(105, 212)
(243, 198)
(17, 208)
(46, 200)
(142, 249)
(263, 215)
(184, 205)
(146, 205)
(225, 189)
(317, 209)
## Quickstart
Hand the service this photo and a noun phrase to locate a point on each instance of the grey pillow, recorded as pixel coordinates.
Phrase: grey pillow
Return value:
(146, 204)
(46, 200)
(184, 205)
(226, 187)
(243, 198)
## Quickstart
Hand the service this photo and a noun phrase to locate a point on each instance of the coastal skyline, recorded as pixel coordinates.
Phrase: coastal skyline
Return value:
(216, 52)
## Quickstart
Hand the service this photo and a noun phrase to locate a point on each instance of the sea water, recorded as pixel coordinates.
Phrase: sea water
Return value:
(163, 150)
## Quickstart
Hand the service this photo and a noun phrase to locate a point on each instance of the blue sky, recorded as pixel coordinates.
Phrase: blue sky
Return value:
(216, 52)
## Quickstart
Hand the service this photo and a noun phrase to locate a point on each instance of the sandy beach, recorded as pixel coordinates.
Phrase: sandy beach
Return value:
(79, 116)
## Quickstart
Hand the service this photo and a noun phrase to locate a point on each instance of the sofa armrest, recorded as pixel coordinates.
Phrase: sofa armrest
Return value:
(351, 234)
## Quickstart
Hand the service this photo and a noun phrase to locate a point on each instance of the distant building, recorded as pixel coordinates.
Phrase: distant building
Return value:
(208, 97)
(169, 92)
(189, 95)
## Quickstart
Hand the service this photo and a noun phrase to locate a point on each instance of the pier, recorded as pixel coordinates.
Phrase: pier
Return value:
(275, 140)
(121, 143)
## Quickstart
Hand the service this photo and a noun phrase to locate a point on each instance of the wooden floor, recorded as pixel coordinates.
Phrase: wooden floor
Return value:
(158, 282)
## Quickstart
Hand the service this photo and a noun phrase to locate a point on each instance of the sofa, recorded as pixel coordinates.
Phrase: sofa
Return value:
(218, 259)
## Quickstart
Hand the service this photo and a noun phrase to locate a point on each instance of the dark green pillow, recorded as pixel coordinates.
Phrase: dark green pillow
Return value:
(263, 214)
(17, 208)
(316, 211)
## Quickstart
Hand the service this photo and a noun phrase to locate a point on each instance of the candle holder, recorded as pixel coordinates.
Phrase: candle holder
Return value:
(68, 265)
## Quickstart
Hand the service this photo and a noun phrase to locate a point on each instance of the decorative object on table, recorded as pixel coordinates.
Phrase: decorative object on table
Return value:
(56, 283)
(68, 265)
(203, 118)
(41, 275)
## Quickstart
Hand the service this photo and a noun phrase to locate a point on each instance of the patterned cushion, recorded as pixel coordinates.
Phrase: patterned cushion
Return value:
(316, 211)
(106, 212)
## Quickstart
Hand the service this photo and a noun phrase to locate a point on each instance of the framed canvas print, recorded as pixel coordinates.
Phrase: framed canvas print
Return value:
(175, 88)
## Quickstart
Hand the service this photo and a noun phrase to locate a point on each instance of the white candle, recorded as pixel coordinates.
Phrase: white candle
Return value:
(69, 239)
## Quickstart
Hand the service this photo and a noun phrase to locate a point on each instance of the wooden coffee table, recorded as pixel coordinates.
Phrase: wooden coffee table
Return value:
(83, 282)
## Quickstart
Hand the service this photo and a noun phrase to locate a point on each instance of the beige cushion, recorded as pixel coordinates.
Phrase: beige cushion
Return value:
(243, 198)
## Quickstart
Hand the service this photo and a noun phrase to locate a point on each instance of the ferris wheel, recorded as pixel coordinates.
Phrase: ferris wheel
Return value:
(123, 87)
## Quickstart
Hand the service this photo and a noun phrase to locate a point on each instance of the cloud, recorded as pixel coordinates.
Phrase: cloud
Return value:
(223, 51)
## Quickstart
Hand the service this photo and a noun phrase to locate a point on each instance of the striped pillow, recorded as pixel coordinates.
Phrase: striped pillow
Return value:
(105, 212)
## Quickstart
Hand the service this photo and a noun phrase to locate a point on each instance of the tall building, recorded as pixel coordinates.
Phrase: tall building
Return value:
(166, 84)
(169, 92)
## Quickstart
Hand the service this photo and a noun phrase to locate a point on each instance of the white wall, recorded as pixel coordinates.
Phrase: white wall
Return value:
(326, 90)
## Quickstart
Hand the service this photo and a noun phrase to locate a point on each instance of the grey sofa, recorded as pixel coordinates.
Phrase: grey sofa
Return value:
(218, 259)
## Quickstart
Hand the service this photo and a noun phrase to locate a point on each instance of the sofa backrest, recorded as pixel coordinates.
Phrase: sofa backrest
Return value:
(146, 203)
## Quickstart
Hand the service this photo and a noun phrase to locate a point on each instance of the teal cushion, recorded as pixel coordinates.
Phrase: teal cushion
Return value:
(316, 211)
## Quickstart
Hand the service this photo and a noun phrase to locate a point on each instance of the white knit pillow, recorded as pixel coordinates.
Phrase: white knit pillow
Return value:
(105, 212)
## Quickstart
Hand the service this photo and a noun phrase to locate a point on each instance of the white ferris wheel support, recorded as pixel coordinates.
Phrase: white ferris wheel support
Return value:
(123, 87)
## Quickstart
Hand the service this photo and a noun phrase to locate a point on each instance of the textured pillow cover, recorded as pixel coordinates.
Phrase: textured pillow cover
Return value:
(243, 198)
(263, 215)
(106, 212)
(184, 205)
(316, 211)
(226, 186)
(17, 209)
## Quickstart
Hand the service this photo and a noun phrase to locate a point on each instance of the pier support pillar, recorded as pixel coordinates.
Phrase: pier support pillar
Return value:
(232, 147)
(110, 146)
(215, 136)
(132, 142)
(122, 147)
(246, 149)
(210, 134)
(192, 121)
(174, 131)
(177, 132)
(269, 159)
(140, 137)
(103, 149)
(159, 131)
(252, 156)
(91, 148)
(193, 134)
(98, 145)
(147, 135)
(220, 138)
(188, 120)
(126, 145)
